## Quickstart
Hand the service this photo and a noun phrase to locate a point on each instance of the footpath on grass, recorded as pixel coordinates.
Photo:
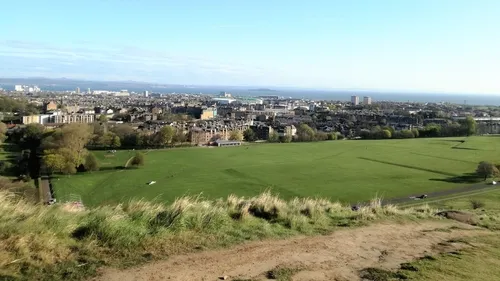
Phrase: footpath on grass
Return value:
(338, 256)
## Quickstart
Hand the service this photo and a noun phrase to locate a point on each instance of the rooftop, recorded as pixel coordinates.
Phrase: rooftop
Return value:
(227, 141)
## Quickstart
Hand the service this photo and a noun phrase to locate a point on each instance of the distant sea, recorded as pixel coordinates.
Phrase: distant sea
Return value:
(337, 95)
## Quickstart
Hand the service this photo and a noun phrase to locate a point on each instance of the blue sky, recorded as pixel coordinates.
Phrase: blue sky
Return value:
(418, 45)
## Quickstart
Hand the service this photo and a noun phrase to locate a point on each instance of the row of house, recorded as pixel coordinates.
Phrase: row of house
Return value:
(204, 135)
(58, 118)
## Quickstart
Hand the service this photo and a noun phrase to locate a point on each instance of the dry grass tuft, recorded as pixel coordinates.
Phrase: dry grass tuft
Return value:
(51, 240)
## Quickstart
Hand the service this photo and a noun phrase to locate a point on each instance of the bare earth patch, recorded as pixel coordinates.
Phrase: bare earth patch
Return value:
(338, 256)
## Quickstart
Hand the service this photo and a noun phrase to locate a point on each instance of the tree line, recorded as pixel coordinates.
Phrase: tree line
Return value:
(22, 106)
(304, 134)
(466, 127)
(63, 150)
(123, 135)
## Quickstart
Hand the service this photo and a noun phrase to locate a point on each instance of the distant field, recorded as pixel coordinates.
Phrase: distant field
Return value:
(340, 170)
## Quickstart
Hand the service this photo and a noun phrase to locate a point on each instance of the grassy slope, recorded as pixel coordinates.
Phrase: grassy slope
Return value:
(477, 263)
(49, 243)
(488, 214)
(339, 170)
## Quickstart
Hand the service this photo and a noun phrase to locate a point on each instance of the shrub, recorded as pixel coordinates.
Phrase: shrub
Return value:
(386, 134)
(321, 136)
(274, 137)
(91, 163)
(138, 159)
(282, 273)
(332, 136)
(286, 139)
(476, 204)
(69, 169)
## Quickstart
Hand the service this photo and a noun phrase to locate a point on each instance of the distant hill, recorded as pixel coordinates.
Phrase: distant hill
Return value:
(262, 90)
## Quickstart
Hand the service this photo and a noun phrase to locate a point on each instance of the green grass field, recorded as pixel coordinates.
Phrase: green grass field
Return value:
(348, 171)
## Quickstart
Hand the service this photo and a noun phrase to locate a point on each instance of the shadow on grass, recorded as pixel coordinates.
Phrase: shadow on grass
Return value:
(465, 178)
(464, 148)
(112, 168)
(101, 170)
(444, 158)
(8, 147)
(408, 166)
(460, 141)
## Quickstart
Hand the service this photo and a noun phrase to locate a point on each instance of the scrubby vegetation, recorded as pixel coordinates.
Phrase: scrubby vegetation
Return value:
(138, 159)
(60, 242)
(282, 273)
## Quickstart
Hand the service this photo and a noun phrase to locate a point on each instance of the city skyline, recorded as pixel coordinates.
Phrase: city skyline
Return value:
(432, 46)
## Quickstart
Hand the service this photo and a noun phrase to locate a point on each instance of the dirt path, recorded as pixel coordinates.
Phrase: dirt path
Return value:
(45, 193)
(338, 256)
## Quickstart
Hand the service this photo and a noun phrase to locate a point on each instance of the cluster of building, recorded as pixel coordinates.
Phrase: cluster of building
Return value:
(210, 118)
(27, 89)
(366, 100)
(121, 93)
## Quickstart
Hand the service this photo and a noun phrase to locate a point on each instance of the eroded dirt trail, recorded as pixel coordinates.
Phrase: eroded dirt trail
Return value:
(338, 256)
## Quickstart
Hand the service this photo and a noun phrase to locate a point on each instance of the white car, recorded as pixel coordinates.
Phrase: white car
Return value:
(493, 182)
(151, 182)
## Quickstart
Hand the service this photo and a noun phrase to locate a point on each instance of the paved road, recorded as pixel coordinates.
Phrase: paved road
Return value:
(454, 191)
(45, 194)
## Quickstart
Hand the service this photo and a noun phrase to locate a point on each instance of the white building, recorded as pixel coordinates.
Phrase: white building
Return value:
(87, 111)
(225, 95)
(146, 94)
(367, 100)
(223, 100)
(72, 118)
(100, 92)
(27, 89)
(355, 100)
(40, 118)
(122, 93)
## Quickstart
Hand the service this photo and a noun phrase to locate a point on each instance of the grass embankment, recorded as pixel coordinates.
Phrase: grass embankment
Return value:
(346, 171)
(484, 204)
(53, 243)
(479, 259)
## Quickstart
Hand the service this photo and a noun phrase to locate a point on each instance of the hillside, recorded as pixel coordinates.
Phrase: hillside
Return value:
(63, 243)
(287, 236)
(343, 255)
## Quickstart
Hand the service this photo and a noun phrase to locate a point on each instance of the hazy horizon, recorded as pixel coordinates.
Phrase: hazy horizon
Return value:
(249, 87)
(314, 94)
